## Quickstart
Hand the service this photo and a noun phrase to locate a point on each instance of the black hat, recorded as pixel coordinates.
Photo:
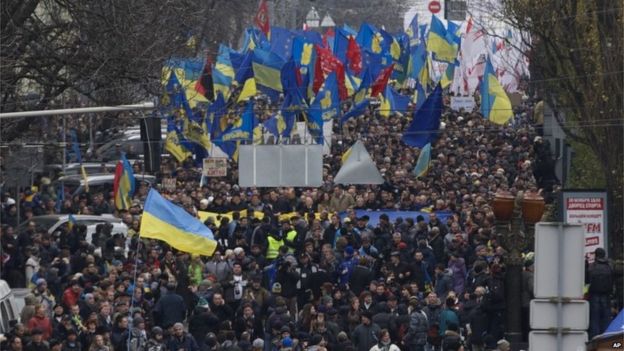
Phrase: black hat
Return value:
(367, 314)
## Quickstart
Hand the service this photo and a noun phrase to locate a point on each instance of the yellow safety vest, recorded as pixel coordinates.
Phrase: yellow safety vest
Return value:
(291, 236)
(273, 247)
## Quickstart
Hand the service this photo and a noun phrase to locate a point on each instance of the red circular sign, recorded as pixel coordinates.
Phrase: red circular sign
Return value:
(434, 6)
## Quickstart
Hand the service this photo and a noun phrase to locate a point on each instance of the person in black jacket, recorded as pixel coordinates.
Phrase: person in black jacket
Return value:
(203, 322)
(119, 336)
(476, 322)
(170, 309)
(361, 277)
(600, 279)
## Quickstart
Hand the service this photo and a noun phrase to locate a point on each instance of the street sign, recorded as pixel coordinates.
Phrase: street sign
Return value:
(575, 314)
(434, 6)
(590, 209)
(544, 340)
(552, 270)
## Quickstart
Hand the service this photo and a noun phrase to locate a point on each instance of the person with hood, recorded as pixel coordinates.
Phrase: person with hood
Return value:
(458, 266)
(451, 339)
(28, 311)
(444, 280)
(416, 337)
(384, 343)
(366, 334)
(180, 340)
(258, 294)
(156, 340)
(346, 267)
(203, 322)
(138, 335)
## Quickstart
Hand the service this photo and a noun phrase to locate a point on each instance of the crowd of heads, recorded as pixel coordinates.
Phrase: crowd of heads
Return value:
(326, 278)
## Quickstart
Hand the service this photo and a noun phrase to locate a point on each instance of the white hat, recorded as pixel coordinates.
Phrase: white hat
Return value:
(238, 251)
(10, 202)
(204, 201)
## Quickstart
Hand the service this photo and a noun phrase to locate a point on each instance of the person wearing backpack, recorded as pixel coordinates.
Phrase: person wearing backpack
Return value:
(600, 278)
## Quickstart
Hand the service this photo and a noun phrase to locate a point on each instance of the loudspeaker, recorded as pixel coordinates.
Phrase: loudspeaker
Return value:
(150, 129)
(151, 156)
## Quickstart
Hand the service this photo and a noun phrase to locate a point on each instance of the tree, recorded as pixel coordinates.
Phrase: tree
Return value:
(576, 59)
(56, 52)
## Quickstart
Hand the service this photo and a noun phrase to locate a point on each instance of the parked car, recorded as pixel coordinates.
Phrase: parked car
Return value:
(55, 170)
(75, 184)
(52, 223)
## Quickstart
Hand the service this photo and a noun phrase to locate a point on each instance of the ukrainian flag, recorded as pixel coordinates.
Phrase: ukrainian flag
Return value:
(172, 143)
(123, 184)
(162, 220)
(71, 222)
(442, 45)
(223, 72)
(267, 69)
(424, 159)
(495, 104)
(188, 72)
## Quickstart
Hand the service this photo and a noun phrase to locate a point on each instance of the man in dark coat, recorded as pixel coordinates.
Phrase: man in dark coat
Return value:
(181, 341)
(361, 277)
(170, 308)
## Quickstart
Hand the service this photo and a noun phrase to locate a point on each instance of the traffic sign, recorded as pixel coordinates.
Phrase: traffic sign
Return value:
(575, 314)
(552, 270)
(434, 6)
(545, 340)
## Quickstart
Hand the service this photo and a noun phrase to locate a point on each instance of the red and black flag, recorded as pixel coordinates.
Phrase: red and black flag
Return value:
(204, 83)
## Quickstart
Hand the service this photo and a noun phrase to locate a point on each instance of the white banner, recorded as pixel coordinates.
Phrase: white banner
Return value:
(465, 102)
(590, 210)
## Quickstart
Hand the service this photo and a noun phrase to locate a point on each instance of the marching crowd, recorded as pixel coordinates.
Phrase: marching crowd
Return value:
(325, 279)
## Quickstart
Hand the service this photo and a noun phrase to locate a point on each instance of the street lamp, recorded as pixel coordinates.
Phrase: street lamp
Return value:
(515, 225)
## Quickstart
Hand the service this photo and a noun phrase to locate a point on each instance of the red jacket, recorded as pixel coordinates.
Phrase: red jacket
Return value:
(42, 323)
(70, 298)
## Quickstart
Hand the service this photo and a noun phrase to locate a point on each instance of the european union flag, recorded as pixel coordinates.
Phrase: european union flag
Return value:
(426, 121)
(281, 42)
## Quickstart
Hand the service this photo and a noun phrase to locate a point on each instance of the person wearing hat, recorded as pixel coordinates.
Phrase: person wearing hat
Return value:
(365, 334)
(37, 343)
(156, 340)
(503, 345)
(138, 335)
(257, 293)
(71, 342)
(306, 270)
(274, 242)
(347, 265)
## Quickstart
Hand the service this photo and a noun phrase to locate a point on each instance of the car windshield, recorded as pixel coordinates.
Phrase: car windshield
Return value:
(40, 223)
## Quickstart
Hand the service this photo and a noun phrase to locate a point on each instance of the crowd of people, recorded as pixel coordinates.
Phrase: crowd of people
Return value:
(325, 279)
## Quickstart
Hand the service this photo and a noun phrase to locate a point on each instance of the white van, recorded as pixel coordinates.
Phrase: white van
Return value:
(9, 309)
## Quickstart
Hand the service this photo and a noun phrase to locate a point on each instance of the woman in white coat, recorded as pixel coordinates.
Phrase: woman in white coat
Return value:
(385, 344)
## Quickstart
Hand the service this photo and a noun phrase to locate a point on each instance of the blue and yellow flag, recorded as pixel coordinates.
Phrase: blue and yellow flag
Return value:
(267, 69)
(162, 220)
(419, 96)
(413, 32)
(215, 114)
(173, 144)
(244, 71)
(71, 222)
(364, 89)
(188, 73)
(287, 117)
(242, 129)
(223, 71)
(123, 184)
(440, 43)
(326, 104)
(449, 74)
(424, 160)
(358, 110)
(426, 121)
(495, 104)
(392, 102)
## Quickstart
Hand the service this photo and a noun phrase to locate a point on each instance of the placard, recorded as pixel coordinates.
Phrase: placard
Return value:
(465, 102)
(215, 167)
(590, 210)
(169, 184)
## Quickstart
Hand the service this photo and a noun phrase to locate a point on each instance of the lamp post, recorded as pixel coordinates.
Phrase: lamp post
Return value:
(515, 226)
